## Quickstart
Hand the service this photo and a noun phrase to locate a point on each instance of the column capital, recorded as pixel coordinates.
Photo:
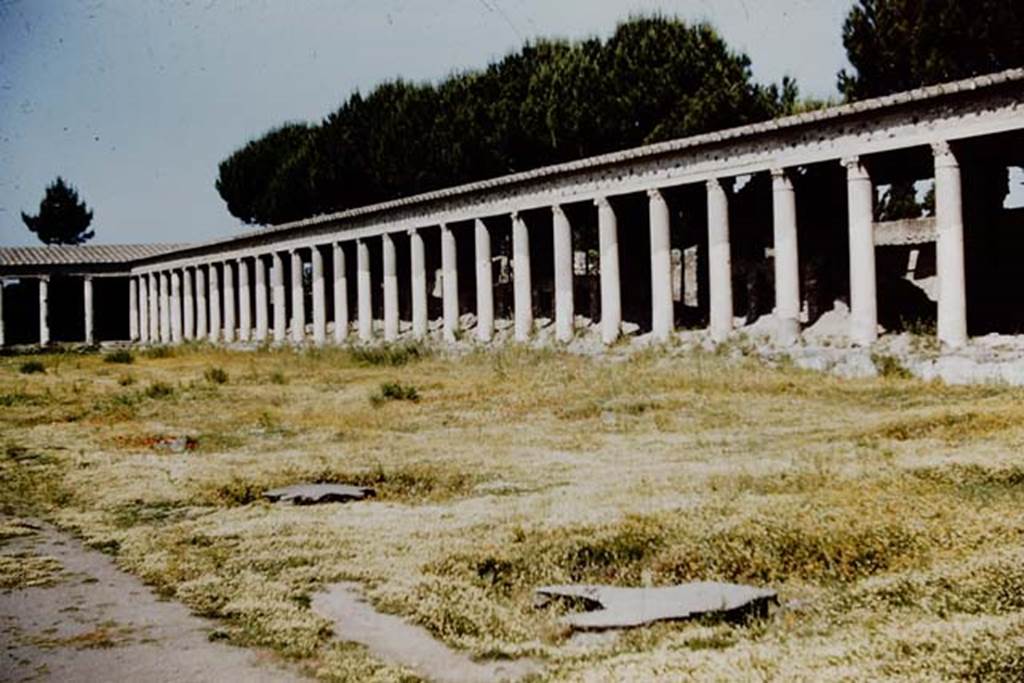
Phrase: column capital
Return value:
(655, 193)
(855, 167)
(602, 202)
(781, 179)
(411, 231)
(721, 184)
(943, 153)
(557, 210)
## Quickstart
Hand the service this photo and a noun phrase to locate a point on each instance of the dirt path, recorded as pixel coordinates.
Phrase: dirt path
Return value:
(395, 640)
(97, 623)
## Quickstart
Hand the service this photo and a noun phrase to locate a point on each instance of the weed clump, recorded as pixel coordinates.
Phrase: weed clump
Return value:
(158, 390)
(395, 391)
(890, 367)
(159, 352)
(31, 367)
(216, 376)
(122, 356)
(390, 355)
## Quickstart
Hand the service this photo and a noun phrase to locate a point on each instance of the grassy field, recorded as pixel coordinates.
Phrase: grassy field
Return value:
(888, 513)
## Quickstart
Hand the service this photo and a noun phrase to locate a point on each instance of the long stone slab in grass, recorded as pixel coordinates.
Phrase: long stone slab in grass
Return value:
(314, 494)
(615, 607)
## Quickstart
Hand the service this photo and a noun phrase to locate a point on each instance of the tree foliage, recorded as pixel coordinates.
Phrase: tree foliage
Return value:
(654, 79)
(63, 218)
(897, 45)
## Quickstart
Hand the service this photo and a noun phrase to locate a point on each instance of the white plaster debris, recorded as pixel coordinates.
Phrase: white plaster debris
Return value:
(616, 607)
(313, 494)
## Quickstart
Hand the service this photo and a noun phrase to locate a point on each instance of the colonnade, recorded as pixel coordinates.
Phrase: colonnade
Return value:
(199, 301)
(88, 309)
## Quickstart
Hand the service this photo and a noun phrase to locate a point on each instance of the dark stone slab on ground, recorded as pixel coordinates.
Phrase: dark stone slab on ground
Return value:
(615, 607)
(314, 494)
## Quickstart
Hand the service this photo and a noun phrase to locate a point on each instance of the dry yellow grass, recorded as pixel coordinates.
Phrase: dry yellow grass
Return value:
(887, 512)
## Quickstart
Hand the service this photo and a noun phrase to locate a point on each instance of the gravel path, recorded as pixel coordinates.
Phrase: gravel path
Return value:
(97, 623)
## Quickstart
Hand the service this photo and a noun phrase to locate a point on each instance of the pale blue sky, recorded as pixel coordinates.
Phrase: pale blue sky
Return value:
(136, 101)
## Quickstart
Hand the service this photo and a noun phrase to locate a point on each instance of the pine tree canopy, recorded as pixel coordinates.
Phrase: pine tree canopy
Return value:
(63, 218)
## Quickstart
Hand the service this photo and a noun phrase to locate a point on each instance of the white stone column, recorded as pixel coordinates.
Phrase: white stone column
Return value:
(244, 304)
(949, 248)
(165, 307)
(863, 295)
(188, 303)
(280, 304)
(133, 310)
(611, 289)
(719, 261)
(364, 301)
(390, 287)
(522, 291)
(44, 311)
(215, 321)
(230, 323)
(175, 307)
(484, 282)
(449, 283)
(418, 279)
(262, 319)
(90, 323)
(298, 299)
(564, 309)
(143, 309)
(662, 306)
(787, 261)
(340, 294)
(154, 308)
(319, 299)
(2, 339)
(202, 311)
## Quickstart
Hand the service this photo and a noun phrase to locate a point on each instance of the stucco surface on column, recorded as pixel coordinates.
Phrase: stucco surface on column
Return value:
(564, 307)
(154, 307)
(230, 322)
(522, 291)
(365, 311)
(202, 309)
(949, 248)
(165, 307)
(418, 280)
(87, 305)
(390, 268)
(787, 261)
(863, 295)
(44, 311)
(719, 261)
(188, 304)
(611, 289)
(3, 339)
(280, 303)
(133, 310)
(175, 307)
(143, 309)
(449, 283)
(662, 308)
(244, 302)
(215, 320)
(319, 301)
(262, 304)
(341, 316)
(484, 282)
(298, 299)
